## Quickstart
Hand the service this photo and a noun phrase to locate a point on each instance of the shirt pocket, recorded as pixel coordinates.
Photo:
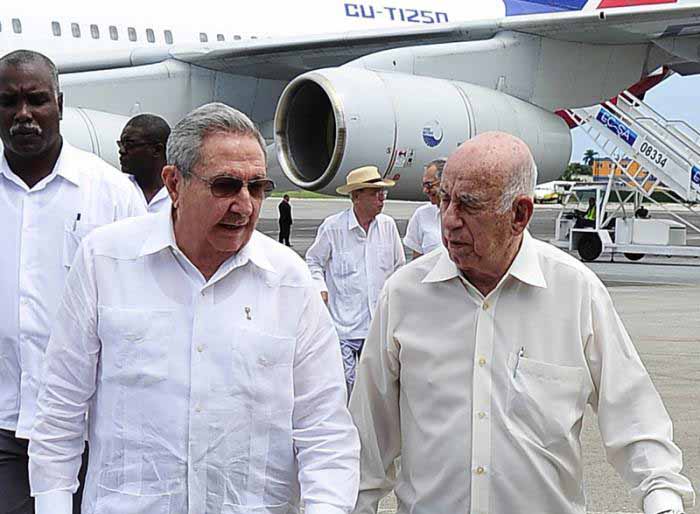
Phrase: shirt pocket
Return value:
(73, 234)
(386, 258)
(344, 265)
(135, 345)
(260, 369)
(544, 400)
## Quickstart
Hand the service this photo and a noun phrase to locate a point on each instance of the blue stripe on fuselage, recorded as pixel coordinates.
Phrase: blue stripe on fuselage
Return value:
(517, 7)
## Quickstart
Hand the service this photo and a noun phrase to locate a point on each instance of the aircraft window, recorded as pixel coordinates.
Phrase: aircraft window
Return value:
(75, 29)
(16, 26)
(113, 33)
(203, 38)
(220, 37)
(236, 37)
(168, 36)
(56, 28)
(132, 33)
(94, 31)
(150, 36)
(253, 37)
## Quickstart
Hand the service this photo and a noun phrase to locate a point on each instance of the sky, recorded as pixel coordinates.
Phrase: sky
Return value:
(675, 98)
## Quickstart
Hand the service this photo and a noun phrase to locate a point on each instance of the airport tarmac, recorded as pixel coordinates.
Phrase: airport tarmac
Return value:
(657, 298)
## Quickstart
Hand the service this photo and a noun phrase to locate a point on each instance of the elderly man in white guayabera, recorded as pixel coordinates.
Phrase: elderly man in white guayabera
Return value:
(458, 379)
(354, 252)
(208, 361)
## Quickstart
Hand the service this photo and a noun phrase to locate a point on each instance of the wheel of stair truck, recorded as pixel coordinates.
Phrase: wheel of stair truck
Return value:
(589, 247)
(634, 256)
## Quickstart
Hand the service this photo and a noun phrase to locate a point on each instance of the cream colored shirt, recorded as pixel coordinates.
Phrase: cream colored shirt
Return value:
(481, 430)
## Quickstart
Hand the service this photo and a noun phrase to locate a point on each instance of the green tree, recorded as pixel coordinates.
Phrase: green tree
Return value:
(574, 169)
(589, 156)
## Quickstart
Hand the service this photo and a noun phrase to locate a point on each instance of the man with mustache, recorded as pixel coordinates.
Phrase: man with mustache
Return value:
(208, 360)
(142, 157)
(458, 379)
(51, 195)
(354, 252)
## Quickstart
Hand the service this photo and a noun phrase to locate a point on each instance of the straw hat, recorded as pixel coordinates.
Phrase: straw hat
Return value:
(362, 178)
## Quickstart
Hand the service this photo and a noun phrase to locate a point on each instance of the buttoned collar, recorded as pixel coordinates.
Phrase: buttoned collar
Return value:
(525, 267)
(163, 236)
(64, 167)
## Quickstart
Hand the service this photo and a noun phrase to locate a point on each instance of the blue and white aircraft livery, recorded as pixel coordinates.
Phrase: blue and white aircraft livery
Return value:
(339, 84)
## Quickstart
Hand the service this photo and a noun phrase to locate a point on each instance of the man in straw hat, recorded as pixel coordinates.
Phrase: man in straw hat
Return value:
(355, 251)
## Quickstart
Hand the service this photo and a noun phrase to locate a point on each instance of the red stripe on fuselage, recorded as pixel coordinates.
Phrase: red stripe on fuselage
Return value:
(631, 3)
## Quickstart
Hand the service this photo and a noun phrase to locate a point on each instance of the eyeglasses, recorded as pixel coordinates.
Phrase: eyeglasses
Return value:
(127, 145)
(226, 186)
(429, 185)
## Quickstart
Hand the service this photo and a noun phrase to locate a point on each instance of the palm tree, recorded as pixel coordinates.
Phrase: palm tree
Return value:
(589, 157)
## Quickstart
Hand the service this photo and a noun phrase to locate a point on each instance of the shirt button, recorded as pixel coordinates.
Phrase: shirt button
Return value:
(200, 348)
(480, 470)
(482, 415)
(482, 361)
(485, 306)
(198, 409)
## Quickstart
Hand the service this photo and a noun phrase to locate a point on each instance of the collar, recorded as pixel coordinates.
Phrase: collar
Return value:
(162, 194)
(353, 223)
(525, 267)
(65, 166)
(162, 236)
(352, 220)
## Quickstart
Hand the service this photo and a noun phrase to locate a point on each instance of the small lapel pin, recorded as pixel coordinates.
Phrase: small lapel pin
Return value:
(247, 313)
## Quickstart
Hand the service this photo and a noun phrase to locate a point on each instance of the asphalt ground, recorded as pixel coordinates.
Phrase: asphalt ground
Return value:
(658, 299)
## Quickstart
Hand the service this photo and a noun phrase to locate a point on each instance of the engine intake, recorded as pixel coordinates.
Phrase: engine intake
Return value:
(333, 120)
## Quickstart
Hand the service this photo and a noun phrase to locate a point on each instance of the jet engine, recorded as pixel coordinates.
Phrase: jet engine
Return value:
(94, 131)
(333, 120)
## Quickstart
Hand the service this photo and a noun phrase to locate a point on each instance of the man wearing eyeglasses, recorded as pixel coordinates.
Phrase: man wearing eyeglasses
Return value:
(51, 195)
(354, 252)
(423, 232)
(142, 157)
(210, 365)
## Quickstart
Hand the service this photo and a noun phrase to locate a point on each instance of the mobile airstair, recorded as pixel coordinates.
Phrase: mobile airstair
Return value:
(654, 155)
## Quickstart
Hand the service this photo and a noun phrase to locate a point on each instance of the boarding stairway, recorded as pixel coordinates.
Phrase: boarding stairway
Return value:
(667, 151)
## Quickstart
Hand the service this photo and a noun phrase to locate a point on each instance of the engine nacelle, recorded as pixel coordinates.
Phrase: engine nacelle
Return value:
(333, 120)
(94, 131)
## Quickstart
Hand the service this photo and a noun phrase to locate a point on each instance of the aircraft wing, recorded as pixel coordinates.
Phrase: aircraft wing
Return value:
(285, 58)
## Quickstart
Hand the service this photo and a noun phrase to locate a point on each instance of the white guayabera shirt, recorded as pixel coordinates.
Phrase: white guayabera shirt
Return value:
(484, 398)
(218, 396)
(423, 233)
(352, 266)
(40, 230)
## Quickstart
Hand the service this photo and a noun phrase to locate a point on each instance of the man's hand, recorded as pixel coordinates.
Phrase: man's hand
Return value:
(324, 296)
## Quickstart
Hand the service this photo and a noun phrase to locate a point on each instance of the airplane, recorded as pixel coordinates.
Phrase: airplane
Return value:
(338, 84)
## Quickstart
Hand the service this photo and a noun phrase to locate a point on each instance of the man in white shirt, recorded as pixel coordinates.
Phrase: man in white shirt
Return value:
(51, 195)
(208, 361)
(423, 231)
(457, 379)
(142, 157)
(354, 252)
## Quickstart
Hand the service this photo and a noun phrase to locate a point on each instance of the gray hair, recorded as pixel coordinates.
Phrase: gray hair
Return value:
(24, 57)
(521, 182)
(439, 166)
(185, 141)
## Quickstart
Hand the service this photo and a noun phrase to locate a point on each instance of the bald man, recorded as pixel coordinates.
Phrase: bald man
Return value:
(457, 378)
